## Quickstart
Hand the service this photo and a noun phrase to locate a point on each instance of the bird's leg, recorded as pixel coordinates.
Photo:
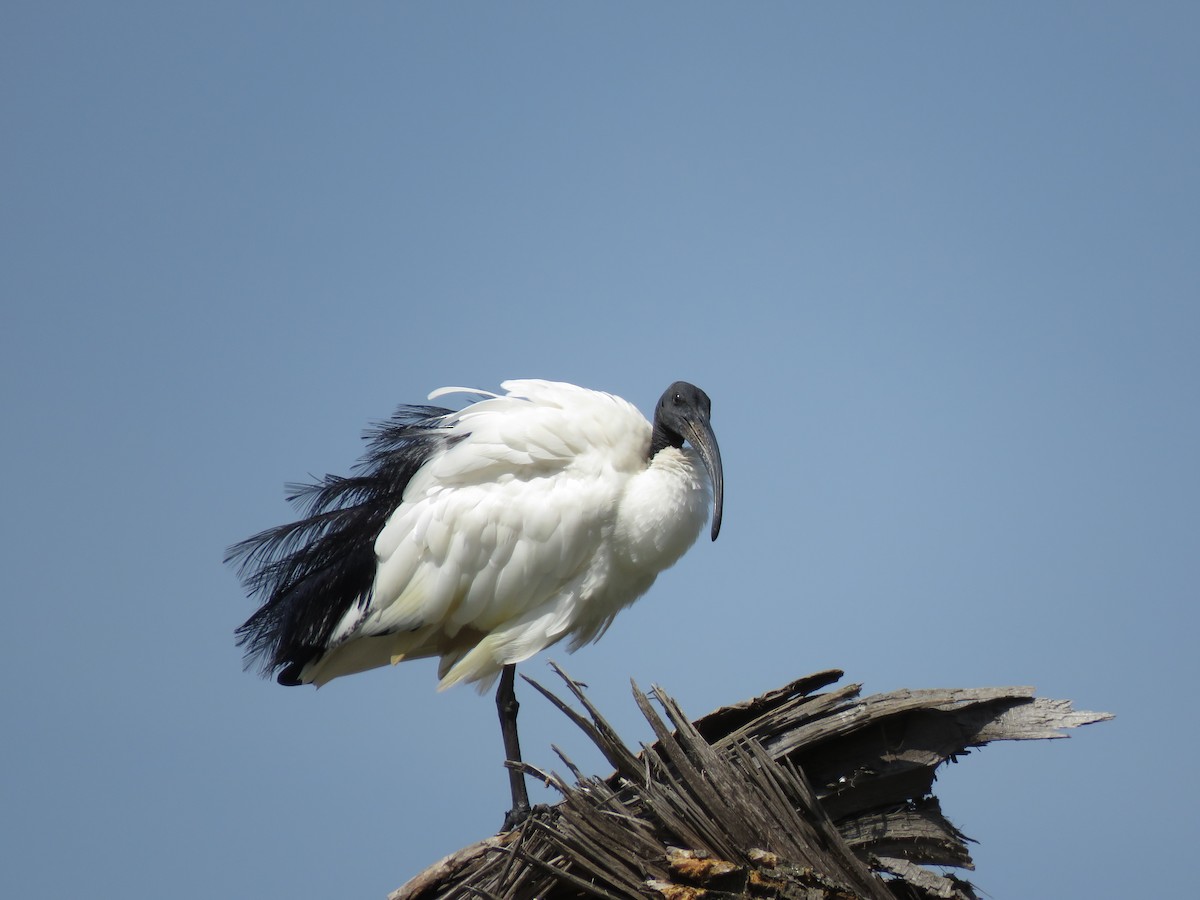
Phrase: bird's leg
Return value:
(507, 706)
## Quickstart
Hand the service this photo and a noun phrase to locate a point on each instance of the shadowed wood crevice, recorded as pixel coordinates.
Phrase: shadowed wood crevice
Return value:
(795, 795)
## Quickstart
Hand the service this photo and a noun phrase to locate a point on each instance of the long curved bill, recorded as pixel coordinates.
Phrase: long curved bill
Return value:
(700, 435)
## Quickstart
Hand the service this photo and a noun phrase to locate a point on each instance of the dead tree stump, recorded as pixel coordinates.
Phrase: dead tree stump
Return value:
(794, 795)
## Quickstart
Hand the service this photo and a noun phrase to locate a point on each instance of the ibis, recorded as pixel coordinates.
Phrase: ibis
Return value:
(481, 536)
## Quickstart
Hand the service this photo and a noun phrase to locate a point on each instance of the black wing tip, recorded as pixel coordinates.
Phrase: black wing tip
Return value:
(259, 656)
(308, 573)
(289, 676)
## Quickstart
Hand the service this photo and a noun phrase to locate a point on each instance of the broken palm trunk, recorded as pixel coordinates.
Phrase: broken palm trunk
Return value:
(794, 795)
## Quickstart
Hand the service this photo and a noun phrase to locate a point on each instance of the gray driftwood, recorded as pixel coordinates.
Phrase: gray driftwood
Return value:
(795, 795)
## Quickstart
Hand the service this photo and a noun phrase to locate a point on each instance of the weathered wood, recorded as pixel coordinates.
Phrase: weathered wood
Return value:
(794, 795)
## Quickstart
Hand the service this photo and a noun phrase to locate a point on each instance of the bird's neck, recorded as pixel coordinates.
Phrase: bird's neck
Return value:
(661, 438)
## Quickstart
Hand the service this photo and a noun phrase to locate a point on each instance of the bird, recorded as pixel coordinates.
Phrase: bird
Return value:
(481, 536)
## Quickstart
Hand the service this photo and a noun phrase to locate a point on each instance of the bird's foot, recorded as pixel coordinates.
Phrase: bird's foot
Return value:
(515, 817)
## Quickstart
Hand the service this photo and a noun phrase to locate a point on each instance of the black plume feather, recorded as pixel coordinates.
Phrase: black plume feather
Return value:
(310, 572)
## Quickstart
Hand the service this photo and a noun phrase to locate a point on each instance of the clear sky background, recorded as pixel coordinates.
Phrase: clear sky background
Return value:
(938, 266)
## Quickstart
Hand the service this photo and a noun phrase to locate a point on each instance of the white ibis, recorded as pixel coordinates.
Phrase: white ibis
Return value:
(481, 536)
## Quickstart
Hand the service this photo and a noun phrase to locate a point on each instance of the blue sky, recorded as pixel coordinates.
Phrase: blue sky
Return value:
(936, 265)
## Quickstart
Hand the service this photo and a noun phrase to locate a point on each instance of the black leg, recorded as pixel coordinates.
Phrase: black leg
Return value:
(507, 706)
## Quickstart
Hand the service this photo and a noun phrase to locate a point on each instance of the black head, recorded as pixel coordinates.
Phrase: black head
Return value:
(683, 414)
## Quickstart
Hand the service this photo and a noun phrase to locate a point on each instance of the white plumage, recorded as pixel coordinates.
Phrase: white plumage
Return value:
(541, 524)
(483, 535)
